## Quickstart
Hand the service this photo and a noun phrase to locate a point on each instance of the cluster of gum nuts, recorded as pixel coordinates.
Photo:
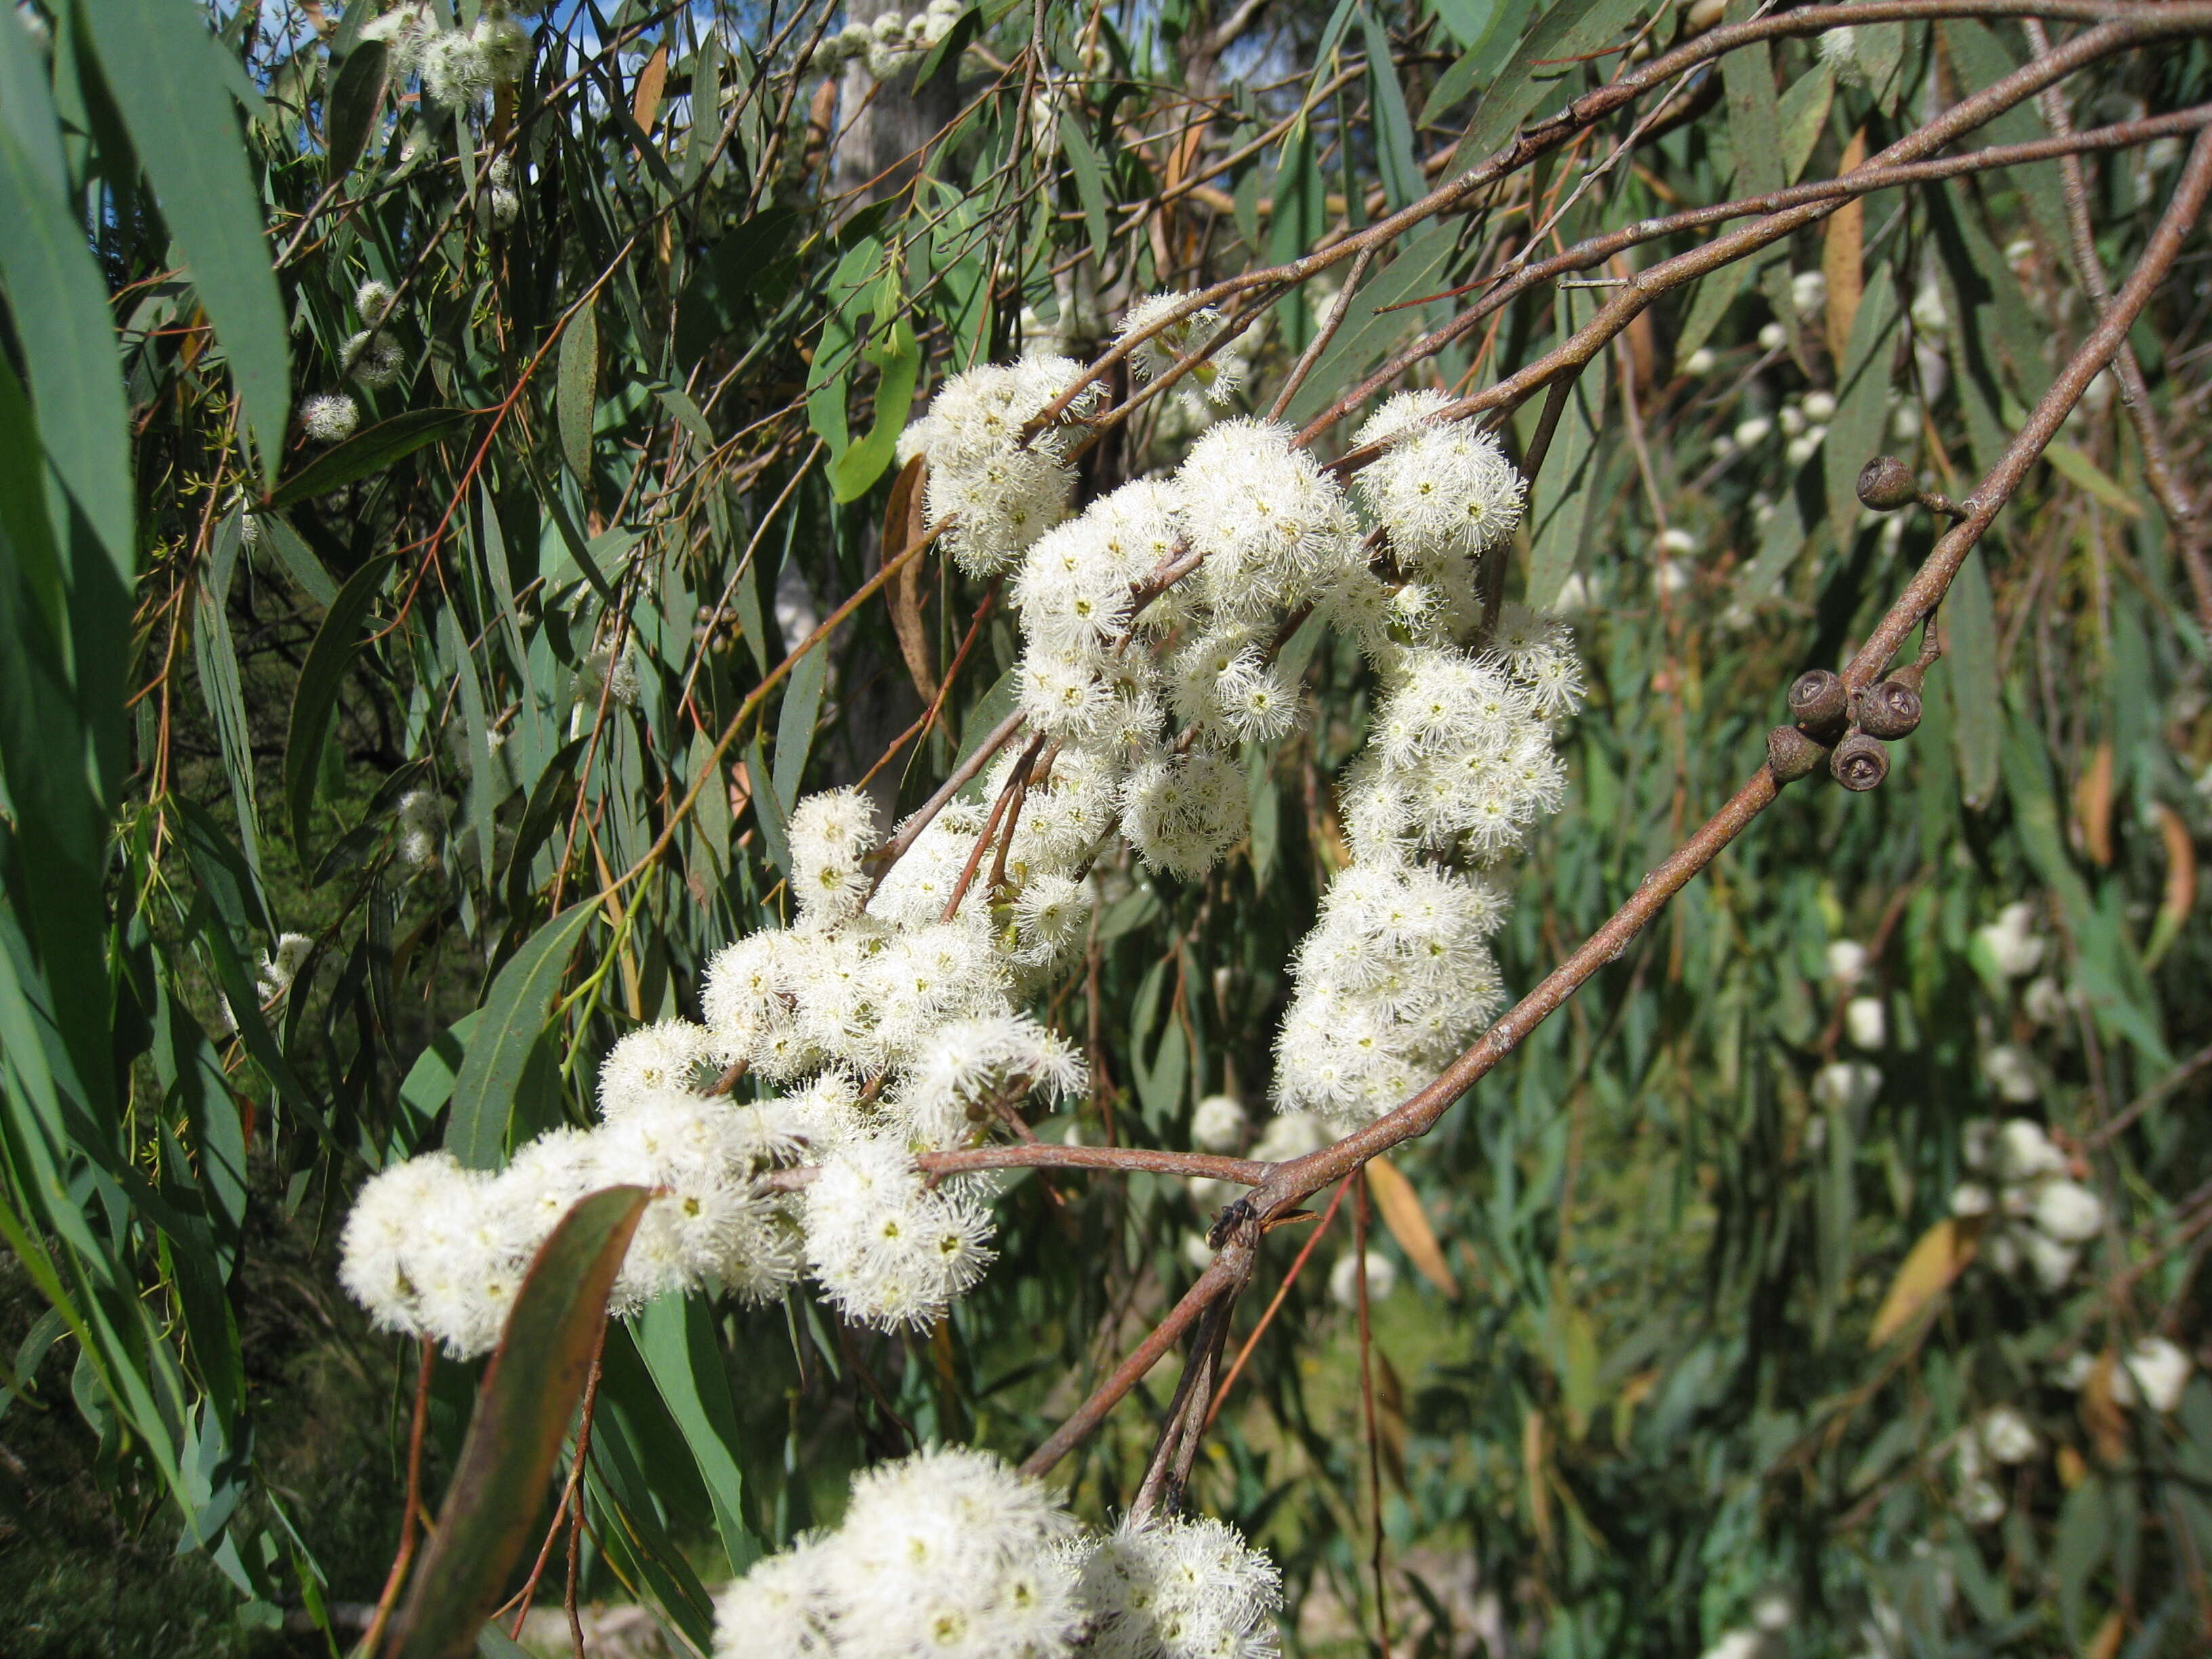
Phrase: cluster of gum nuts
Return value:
(1830, 720)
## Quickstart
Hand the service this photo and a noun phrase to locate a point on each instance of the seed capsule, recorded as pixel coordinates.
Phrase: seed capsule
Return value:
(1819, 704)
(1888, 709)
(1790, 755)
(1859, 762)
(1886, 483)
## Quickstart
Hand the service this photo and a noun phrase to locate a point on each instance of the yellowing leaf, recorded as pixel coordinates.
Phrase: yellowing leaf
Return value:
(1409, 1224)
(2092, 806)
(2180, 896)
(1941, 1256)
(645, 101)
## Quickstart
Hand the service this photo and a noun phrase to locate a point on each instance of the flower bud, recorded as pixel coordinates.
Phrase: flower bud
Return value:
(1888, 708)
(1859, 762)
(1790, 755)
(1886, 483)
(1818, 703)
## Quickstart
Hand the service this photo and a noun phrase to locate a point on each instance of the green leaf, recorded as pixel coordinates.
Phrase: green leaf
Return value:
(675, 1337)
(428, 1084)
(1488, 29)
(369, 452)
(216, 658)
(299, 559)
(357, 86)
(898, 358)
(1468, 21)
(1400, 163)
(1802, 114)
(1560, 513)
(69, 358)
(1755, 120)
(768, 811)
(168, 77)
(794, 725)
(320, 678)
(1572, 28)
(499, 1047)
(2077, 468)
(1970, 649)
(1089, 186)
(1861, 417)
(523, 1407)
(577, 397)
(1371, 327)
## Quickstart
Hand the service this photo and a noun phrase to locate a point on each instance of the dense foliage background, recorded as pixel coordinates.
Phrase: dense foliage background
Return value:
(359, 793)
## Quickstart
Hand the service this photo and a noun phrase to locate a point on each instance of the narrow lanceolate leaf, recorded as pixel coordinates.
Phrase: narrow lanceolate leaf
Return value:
(579, 391)
(676, 1338)
(499, 1047)
(369, 452)
(1409, 1222)
(1855, 435)
(904, 522)
(328, 658)
(166, 74)
(897, 360)
(358, 87)
(523, 1407)
(70, 357)
(1970, 644)
(1927, 1271)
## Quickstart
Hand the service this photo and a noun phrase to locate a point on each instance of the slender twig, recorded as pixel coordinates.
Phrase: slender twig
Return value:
(1322, 336)
(1290, 1181)
(411, 1517)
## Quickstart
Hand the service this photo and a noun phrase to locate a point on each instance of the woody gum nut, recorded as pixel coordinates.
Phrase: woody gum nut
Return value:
(1818, 703)
(1859, 762)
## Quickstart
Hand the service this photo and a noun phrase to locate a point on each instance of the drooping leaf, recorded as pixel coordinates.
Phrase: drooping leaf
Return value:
(169, 78)
(523, 1406)
(1927, 1270)
(1409, 1222)
(1970, 645)
(357, 86)
(577, 394)
(368, 451)
(500, 1045)
(1861, 418)
(336, 642)
(896, 355)
(676, 1338)
(1560, 506)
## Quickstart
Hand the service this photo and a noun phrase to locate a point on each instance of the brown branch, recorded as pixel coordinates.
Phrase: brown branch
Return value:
(1636, 295)
(2127, 23)
(1290, 1181)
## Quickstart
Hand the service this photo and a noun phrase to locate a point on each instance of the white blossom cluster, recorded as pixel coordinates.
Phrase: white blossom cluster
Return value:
(1000, 493)
(924, 1007)
(2036, 1219)
(2001, 1438)
(371, 358)
(890, 44)
(460, 67)
(949, 1553)
(1397, 973)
